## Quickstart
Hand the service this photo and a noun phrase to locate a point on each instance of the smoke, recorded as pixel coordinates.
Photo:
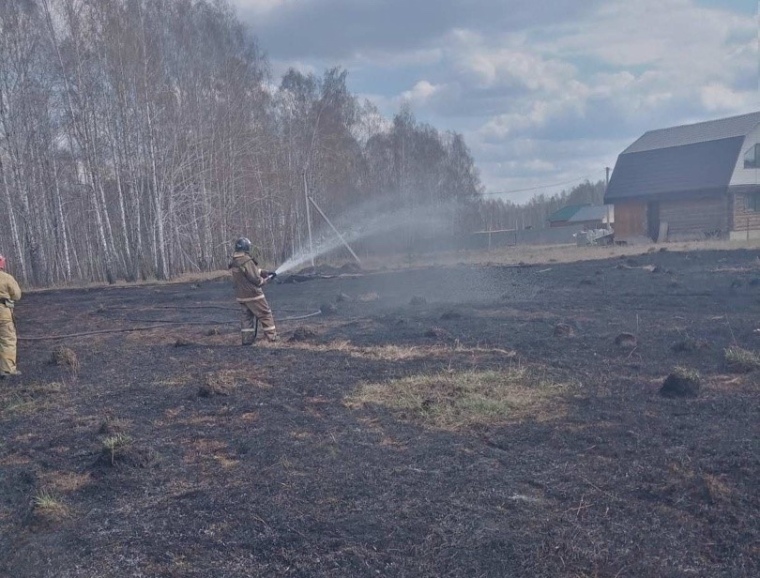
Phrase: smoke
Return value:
(378, 218)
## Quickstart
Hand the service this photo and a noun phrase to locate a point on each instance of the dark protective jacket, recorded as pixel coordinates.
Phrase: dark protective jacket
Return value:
(247, 277)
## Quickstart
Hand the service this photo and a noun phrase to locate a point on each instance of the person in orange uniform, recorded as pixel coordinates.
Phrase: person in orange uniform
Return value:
(248, 280)
(10, 292)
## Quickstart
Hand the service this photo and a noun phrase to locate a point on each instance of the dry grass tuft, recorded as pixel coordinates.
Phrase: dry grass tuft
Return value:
(65, 482)
(399, 352)
(226, 381)
(368, 297)
(175, 380)
(30, 398)
(717, 488)
(456, 400)
(65, 357)
(114, 446)
(48, 506)
(740, 360)
(113, 425)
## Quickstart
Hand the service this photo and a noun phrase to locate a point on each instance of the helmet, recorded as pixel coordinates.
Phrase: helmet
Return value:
(243, 245)
(2, 262)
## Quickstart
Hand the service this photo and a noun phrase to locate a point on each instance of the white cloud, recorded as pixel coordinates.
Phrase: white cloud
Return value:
(420, 93)
(542, 90)
(515, 66)
(718, 97)
(382, 59)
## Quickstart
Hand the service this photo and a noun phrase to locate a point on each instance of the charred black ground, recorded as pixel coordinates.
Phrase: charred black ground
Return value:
(174, 452)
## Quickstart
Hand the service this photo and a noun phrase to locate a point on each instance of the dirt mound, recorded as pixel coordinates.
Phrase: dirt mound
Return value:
(328, 309)
(626, 340)
(681, 383)
(563, 330)
(438, 333)
(303, 333)
(689, 345)
(449, 315)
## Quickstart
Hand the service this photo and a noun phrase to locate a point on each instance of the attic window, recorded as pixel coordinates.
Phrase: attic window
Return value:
(752, 158)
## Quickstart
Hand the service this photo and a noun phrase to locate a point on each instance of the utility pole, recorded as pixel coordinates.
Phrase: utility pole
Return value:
(342, 239)
(308, 217)
(606, 185)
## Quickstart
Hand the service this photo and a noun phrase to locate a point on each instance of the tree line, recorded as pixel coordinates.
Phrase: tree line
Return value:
(139, 138)
(497, 214)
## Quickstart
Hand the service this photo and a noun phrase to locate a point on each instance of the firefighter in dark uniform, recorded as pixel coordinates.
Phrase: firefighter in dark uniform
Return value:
(248, 279)
(9, 294)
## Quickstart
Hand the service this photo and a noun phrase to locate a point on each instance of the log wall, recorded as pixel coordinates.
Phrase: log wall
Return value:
(695, 218)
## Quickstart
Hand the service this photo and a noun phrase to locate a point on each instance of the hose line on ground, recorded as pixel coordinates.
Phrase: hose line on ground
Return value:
(148, 328)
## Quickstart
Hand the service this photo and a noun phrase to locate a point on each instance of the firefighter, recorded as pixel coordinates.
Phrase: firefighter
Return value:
(9, 293)
(248, 280)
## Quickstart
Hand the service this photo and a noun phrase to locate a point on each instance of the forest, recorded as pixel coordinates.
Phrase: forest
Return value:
(138, 138)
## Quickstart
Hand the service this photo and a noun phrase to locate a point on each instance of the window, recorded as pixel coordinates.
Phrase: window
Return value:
(752, 202)
(752, 158)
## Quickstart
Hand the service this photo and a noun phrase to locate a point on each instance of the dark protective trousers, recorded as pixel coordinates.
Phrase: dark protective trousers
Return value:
(252, 309)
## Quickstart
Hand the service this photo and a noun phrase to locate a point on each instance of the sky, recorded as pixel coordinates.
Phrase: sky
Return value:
(546, 93)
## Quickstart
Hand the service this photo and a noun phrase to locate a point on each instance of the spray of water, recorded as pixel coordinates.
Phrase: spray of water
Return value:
(372, 219)
(321, 247)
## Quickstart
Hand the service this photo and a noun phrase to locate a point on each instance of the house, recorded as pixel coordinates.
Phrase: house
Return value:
(593, 216)
(690, 182)
(589, 216)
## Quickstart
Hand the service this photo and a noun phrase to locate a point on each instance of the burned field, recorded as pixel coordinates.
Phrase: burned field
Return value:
(462, 421)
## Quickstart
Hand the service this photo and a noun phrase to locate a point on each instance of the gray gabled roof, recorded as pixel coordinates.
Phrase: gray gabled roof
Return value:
(593, 213)
(691, 158)
(564, 213)
(695, 133)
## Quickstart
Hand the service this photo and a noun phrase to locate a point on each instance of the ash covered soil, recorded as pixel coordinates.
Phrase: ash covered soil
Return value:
(361, 446)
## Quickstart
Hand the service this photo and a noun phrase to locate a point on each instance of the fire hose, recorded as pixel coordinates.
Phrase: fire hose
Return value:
(151, 327)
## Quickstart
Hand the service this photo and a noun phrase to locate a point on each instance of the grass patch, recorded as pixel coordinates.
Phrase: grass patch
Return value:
(740, 360)
(49, 506)
(114, 446)
(30, 399)
(686, 373)
(391, 352)
(462, 399)
(176, 380)
(65, 357)
(19, 405)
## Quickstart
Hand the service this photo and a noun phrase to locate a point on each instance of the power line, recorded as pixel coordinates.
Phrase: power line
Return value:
(538, 188)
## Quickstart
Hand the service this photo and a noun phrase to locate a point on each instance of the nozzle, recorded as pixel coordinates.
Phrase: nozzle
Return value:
(273, 274)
